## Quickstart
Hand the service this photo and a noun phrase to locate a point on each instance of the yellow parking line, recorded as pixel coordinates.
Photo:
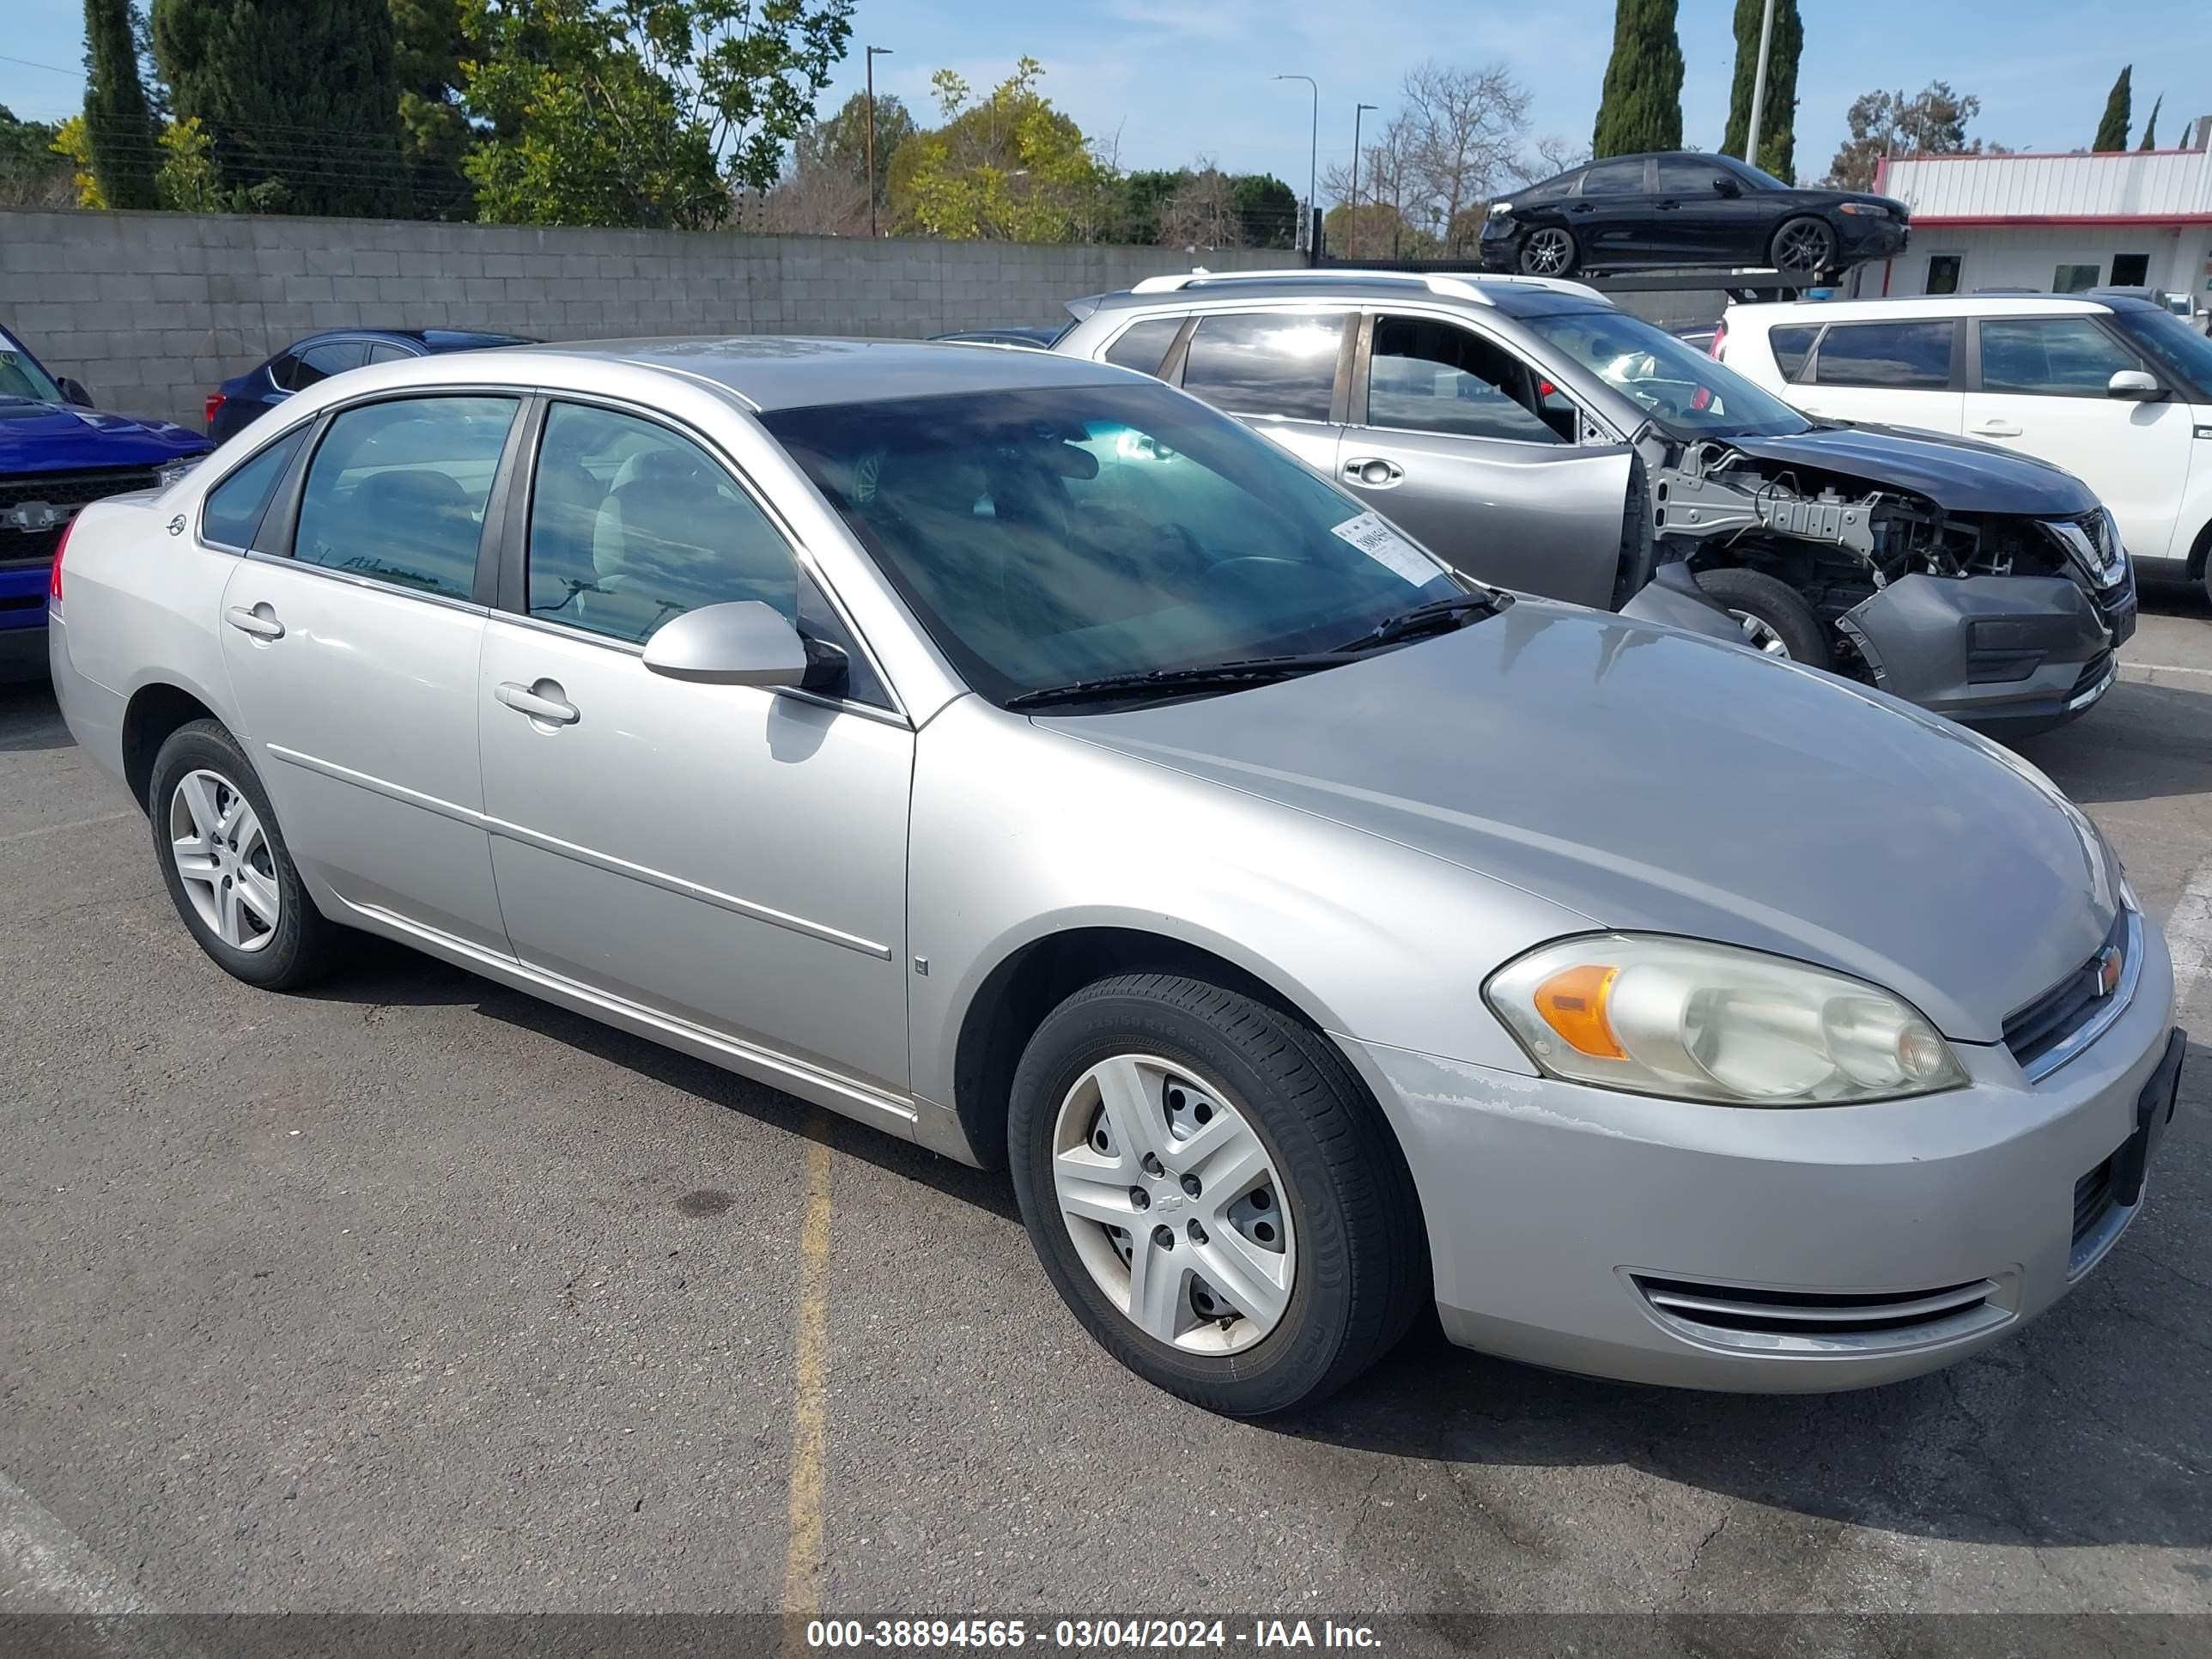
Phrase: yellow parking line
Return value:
(802, 1563)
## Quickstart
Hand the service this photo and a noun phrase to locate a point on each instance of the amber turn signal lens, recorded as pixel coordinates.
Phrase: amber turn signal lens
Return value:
(1572, 1003)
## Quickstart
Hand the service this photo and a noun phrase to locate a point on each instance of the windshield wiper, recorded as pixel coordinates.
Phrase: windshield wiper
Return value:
(1251, 671)
(1434, 617)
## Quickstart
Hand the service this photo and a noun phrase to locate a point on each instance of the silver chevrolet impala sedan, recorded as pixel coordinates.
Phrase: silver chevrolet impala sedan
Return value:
(1013, 754)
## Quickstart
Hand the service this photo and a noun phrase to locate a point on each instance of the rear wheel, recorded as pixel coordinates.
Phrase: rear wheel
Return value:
(1774, 618)
(1213, 1193)
(1805, 247)
(1547, 251)
(226, 865)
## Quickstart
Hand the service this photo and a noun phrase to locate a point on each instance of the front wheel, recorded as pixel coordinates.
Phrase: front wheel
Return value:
(1774, 616)
(1547, 251)
(1805, 247)
(1213, 1193)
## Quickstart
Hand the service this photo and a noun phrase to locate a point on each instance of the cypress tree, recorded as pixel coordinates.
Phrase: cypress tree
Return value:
(2150, 127)
(118, 121)
(299, 99)
(1643, 104)
(1777, 117)
(2112, 130)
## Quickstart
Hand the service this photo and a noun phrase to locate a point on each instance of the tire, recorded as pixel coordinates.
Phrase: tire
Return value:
(1786, 626)
(1804, 246)
(1549, 250)
(1353, 1251)
(201, 774)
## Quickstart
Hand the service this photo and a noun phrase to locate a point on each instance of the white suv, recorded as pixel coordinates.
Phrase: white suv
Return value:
(2117, 391)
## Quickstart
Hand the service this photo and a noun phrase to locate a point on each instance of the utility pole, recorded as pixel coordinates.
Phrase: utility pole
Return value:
(1313, 162)
(1758, 85)
(875, 52)
(1351, 231)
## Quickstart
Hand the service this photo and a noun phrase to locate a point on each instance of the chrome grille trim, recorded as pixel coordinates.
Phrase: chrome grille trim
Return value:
(2099, 1014)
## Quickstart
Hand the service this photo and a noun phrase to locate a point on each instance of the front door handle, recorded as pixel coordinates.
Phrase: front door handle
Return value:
(260, 621)
(546, 704)
(1373, 472)
(1997, 429)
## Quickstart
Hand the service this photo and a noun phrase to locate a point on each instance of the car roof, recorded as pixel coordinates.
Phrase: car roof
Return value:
(1516, 297)
(797, 372)
(431, 339)
(1953, 305)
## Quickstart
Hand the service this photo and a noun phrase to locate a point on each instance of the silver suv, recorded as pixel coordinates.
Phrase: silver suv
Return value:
(1536, 436)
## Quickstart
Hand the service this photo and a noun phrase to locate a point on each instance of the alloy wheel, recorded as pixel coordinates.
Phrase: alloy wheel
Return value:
(223, 858)
(1804, 248)
(1174, 1205)
(1544, 252)
(1761, 634)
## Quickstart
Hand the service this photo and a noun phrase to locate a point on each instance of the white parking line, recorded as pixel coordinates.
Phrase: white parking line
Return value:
(55, 828)
(2145, 669)
(46, 1568)
(2189, 935)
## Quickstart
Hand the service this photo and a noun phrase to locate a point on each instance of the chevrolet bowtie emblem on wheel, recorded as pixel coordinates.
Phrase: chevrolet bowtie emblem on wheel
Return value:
(2109, 962)
(31, 517)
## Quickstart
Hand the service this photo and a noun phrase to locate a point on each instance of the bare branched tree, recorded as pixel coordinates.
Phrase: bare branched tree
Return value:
(1468, 127)
(1202, 212)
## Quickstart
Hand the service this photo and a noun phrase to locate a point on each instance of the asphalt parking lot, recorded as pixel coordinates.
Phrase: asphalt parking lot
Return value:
(412, 1293)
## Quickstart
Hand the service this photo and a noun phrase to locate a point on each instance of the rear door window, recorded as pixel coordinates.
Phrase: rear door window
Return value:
(1904, 356)
(2050, 357)
(396, 491)
(1144, 346)
(1266, 362)
(385, 352)
(1792, 346)
(1614, 179)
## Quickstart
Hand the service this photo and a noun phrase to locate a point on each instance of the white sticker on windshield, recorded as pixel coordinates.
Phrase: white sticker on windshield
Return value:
(1379, 542)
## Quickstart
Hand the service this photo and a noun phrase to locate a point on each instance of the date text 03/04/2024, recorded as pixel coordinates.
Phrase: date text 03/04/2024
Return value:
(1164, 1635)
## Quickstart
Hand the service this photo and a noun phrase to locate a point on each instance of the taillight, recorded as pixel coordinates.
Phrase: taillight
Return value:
(54, 579)
(1720, 335)
(215, 401)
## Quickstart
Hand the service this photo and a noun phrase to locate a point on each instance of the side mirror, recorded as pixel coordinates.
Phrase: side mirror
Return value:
(1724, 186)
(2135, 386)
(75, 392)
(745, 643)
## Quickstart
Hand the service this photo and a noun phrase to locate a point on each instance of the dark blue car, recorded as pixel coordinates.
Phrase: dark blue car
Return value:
(57, 452)
(241, 400)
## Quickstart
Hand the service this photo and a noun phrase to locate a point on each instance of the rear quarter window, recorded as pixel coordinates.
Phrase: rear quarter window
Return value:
(1791, 346)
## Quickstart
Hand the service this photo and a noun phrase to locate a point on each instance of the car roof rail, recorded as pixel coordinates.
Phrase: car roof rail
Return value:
(1464, 285)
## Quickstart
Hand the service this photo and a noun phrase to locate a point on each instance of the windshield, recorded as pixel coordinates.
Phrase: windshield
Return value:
(1051, 535)
(22, 377)
(2171, 344)
(1684, 391)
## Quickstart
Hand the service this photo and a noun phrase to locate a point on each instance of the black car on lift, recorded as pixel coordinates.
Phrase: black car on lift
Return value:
(1686, 209)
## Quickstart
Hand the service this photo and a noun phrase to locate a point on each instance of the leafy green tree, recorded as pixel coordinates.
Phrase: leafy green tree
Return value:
(838, 147)
(640, 111)
(1141, 195)
(1267, 209)
(117, 123)
(428, 47)
(33, 172)
(2112, 130)
(1932, 122)
(1008, 167)
(1777, 116)
(2150, 127)
(1642, 107)
(297, 99)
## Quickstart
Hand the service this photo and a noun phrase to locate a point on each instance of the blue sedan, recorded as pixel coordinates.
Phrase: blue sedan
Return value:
(241, 400)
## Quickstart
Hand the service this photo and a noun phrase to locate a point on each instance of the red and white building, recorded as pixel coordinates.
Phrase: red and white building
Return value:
(2125, 219)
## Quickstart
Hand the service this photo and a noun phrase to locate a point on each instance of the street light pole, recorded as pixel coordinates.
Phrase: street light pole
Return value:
(1313, 161)
(1759, 85)
(874, 52)
(1351, 231)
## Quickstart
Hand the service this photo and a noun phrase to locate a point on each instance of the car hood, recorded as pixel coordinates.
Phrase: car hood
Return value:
(1653, 780)
(38, 437)
(1957, 474)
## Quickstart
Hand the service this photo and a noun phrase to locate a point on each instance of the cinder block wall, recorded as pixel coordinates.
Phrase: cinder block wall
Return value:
(151, 310)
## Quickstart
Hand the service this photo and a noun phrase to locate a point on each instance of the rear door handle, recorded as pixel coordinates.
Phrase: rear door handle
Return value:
(529, 701)
(1373, 472)
(1997, 429)
(260, 621)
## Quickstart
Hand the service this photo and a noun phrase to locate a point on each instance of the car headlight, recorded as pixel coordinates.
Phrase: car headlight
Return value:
(1863, 209)
(165, 476)
(1695, 1021)
(1499, 210)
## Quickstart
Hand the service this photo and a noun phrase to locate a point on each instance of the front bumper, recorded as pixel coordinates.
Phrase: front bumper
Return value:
(1591, 1231)
(2007, 655)
(1864, 238)
(23, 621)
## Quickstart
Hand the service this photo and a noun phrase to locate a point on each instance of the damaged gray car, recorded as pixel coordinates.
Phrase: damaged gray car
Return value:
(1536, 436)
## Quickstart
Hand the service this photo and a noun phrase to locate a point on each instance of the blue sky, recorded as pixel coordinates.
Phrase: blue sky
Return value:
(1182, 78)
